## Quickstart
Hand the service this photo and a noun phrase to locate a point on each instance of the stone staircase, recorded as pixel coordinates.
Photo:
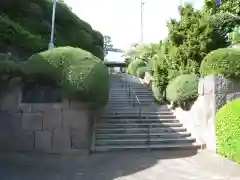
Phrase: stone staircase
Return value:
(137, 123)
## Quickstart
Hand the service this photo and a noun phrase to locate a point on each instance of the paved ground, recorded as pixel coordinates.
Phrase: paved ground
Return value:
(152, 165)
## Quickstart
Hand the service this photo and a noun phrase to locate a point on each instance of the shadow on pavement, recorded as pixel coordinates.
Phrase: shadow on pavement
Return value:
(104, 166)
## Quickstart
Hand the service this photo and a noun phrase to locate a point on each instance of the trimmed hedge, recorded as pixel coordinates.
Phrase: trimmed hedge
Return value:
(225, 61)
(134, 65)
(141, 72)
(76, 71)
(183, 88)
(228, 130)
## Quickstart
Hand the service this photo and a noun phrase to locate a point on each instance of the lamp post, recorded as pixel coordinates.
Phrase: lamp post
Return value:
(142, 6)
(51, 42)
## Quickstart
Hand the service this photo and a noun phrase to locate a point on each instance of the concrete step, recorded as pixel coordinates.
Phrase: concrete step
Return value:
(145, 141)
(173, 146)
(123, 91)
(135, 120)
(140, 130)
(136, 112)
(132, 99)
(158, 107)
(133, 125)
(143, 116)
(143, 103)
(142, 135)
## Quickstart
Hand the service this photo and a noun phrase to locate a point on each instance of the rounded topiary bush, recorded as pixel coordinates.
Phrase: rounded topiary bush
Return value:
(76, 71)
(225, 61)
(183, 88)
(228, 130)
(134, 65)
(141, 72)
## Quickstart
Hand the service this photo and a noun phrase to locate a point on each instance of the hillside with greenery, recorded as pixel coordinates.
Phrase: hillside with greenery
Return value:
(25, 27)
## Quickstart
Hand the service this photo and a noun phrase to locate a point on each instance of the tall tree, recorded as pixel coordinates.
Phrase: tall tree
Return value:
(107, 44)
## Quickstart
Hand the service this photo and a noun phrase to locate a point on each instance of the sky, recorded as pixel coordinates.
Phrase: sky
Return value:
(121, 19)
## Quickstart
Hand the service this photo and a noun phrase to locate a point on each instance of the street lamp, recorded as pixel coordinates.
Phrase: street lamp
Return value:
(51, 42)
(142, 6)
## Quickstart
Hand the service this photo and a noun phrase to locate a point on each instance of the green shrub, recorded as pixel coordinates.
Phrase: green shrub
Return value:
(225, 61)
(158, 95)
(228, 130)
(182, 88)
(141, 72)
(134, 65)
(11, 74)
(76, 71)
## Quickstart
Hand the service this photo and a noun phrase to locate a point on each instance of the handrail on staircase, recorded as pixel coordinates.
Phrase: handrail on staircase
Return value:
(130, 92)
(139, 105)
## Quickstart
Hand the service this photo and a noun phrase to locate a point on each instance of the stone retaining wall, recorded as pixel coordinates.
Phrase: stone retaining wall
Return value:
(56, 127)
(214, 92)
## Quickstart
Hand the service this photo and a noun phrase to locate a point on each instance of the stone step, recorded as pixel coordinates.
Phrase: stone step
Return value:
(143, 103)
(136, 112)
(112, 101)
(122, 91)
(157, 107)
(138, 120)
(143, 116)
(142, 135)
(140, 129)
(133, 125)
(173, 146)
(145, 141)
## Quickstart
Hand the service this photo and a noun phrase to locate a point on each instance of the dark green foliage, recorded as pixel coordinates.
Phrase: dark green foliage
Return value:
(231, 6)
(224, 23)
(14, 34)
(32, 20)
(223, 61)
(183, 88)
(191, 38)
(134, 65)
(227, 127)
(76, 71)
(141, 72)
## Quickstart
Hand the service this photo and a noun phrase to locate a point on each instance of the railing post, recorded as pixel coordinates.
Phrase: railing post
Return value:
(139, 112)
(129, 90)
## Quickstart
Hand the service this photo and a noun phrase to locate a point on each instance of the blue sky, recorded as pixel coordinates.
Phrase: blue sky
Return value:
(121, 18)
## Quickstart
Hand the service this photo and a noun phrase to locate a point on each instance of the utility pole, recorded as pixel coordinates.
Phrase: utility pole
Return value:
(51, 42)
(142, 6)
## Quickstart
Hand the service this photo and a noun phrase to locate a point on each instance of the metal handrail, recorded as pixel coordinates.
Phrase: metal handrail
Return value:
(135, 99)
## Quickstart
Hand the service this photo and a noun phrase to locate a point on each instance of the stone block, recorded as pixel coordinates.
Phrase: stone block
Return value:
(76, 105)
(10, 102)
(65, 104)
(4, 122)
(32, 121)
(80, 138)
(15, 122)
(42, 107)
(43, 140)
(25, 107)
(52, 120)
(74, 118)
(61, 141)
(5, 140)
(22, 140)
